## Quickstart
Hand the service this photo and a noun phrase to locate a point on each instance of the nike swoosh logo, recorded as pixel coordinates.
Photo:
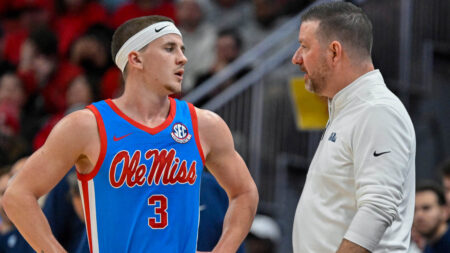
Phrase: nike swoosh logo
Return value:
(120, 138)
(158, 30)
(378, 154)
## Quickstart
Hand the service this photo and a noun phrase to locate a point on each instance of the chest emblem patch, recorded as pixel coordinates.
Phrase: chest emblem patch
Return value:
(332, 137)
(180, 133)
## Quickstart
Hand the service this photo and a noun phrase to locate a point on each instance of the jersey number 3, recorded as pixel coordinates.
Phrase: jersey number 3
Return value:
(160, 203)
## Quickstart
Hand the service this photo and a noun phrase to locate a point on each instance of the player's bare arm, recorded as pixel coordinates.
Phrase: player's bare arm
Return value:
(232, 174)
(74, 140)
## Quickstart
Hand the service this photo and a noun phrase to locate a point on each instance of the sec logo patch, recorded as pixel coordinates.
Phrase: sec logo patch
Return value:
(180, 133)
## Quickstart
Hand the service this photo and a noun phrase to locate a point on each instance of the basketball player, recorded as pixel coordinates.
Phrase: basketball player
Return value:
(139, 158)
(359, 192)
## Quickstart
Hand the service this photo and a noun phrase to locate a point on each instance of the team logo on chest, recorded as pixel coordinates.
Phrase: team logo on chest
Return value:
(180, 133)
(163, 167)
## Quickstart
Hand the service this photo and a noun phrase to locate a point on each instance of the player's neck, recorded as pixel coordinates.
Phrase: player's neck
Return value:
(143, 105)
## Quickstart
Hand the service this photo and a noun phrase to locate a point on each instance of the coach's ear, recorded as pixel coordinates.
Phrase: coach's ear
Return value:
(134, 59)
(335, 52)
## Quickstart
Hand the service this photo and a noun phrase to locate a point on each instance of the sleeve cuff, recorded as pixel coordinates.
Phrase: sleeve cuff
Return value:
(366, 229)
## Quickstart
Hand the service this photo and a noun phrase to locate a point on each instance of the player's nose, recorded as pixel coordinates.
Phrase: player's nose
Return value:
(182, 59)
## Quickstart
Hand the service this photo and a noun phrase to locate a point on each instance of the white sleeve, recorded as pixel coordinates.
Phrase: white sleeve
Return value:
(381, 142)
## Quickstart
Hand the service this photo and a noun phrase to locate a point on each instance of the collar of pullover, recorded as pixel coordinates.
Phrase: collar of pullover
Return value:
(354, 89)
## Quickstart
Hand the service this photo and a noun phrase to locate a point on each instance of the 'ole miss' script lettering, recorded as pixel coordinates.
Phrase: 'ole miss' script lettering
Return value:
(163, 169)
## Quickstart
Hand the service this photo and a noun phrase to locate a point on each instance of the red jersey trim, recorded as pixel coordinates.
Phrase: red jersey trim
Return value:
(149, 130)
(103, 145)
(195, 126)
(87, 215)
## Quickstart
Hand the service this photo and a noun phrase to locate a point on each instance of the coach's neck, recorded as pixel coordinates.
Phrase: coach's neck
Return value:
(347, 71)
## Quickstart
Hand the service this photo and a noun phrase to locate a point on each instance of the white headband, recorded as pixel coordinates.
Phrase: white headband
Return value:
(142, 38)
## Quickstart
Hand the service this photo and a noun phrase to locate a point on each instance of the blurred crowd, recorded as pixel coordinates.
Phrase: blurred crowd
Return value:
(431, 231)
(55, 58)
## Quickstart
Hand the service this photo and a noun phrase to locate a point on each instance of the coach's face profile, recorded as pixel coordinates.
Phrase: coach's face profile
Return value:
(311, 57)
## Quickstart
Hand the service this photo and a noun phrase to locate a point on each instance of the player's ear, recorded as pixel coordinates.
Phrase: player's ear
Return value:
(135, 60)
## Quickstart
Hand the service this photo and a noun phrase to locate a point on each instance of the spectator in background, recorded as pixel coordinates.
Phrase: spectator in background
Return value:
(46, 78)
(430, 218)
(80, 93)
(92, 53)
(228, 48)
(265, 19)
(23, 17)
(139, 8)
(11, 241)
(73, 19)
(12, 98)
(228, 13)
(444, 168)
(199, 39)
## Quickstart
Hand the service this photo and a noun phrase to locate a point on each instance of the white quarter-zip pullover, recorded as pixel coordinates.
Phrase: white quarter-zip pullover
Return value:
(361, 182)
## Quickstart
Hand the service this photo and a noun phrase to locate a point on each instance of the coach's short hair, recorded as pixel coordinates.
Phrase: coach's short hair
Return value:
(130, 28)
(344, 22)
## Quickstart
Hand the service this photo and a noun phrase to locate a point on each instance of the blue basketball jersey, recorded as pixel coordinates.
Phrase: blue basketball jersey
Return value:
(143, 194)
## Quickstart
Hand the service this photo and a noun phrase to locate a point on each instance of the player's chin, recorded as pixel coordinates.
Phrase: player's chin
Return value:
(173, 88)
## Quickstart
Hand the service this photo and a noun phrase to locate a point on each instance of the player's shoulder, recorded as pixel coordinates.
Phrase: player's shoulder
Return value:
(80, 121)
(81, 118)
